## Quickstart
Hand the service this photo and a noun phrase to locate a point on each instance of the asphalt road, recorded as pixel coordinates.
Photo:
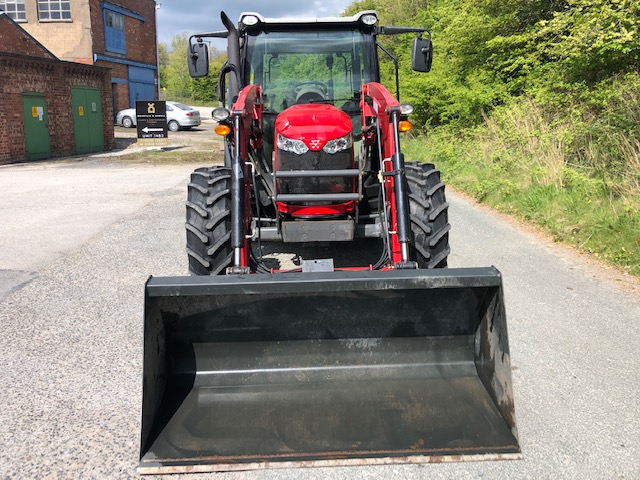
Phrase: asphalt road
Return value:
(71, 343)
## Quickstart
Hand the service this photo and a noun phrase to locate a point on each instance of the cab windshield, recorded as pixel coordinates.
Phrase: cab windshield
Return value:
(323, 66)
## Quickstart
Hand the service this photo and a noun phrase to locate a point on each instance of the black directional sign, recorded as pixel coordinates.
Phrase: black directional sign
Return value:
(151, 117)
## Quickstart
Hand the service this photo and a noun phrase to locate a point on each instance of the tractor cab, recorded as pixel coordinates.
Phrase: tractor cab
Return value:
(311, 78)
(319, 61)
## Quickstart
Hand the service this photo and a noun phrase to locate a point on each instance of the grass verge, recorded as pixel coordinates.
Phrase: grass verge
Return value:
(524, 164)
(205, 158)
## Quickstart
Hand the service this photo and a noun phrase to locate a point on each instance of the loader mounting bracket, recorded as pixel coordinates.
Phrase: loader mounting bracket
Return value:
(238, 271)
(406, 265)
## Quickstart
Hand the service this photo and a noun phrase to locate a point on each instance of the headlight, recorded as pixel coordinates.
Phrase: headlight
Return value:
(220, 114)
(406, 108)
(290, 145)
(339, 144)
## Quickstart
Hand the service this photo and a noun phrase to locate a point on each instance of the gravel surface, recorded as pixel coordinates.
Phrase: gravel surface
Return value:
(71, 351)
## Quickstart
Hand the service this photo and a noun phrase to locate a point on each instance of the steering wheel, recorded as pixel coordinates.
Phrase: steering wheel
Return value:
(310, 92)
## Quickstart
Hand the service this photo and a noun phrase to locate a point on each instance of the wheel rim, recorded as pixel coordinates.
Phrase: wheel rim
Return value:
(173, 126)
(127, 123)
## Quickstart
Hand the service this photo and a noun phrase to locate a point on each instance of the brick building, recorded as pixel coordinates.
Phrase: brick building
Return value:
(118, 34)
(49, 107)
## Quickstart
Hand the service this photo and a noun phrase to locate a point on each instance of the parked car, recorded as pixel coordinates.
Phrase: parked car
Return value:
(179, 116)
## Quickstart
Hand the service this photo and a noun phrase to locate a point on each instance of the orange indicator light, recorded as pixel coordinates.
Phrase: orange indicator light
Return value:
(223, 130)
(404, 125)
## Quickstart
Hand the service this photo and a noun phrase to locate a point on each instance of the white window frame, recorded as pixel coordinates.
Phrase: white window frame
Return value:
(13, 10)
(48, 9)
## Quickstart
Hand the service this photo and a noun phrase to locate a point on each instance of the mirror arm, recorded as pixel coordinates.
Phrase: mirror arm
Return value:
(400, 30)
(221, 34)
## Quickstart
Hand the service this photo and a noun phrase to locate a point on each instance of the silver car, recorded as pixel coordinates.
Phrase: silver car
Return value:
(179, 116)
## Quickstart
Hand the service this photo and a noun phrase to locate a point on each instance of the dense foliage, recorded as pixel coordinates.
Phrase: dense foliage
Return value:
(175, 82)
(533, 106)
(487, 51)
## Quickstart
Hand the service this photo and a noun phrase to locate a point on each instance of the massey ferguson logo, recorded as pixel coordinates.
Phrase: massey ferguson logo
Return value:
(315, 144)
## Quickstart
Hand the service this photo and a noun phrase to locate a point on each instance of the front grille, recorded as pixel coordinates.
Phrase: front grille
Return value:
(314, 161)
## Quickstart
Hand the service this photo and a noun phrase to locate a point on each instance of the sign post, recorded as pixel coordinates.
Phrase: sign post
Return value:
(151, 118)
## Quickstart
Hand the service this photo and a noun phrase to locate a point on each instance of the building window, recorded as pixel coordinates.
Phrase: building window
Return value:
(114, 32)
(114, 20)
(50, 10)
(14, 8)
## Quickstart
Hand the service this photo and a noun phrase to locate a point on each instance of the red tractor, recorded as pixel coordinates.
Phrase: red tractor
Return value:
(313, 150)
(394, 360)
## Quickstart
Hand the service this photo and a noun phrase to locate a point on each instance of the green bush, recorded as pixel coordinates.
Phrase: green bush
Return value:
(175, 81)
(527, 163)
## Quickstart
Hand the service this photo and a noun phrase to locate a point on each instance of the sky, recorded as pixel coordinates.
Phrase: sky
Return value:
(179, 16)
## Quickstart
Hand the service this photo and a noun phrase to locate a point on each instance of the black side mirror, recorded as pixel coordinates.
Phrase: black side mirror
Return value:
(198, 60)
(421, 54)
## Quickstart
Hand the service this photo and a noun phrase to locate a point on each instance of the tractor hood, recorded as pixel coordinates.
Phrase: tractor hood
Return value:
(315, 125)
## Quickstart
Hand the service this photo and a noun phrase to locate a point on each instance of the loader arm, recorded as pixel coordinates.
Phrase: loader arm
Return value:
(380, 117)
(246, 118)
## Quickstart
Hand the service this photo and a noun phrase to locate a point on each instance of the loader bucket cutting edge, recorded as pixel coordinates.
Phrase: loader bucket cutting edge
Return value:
(319, 369)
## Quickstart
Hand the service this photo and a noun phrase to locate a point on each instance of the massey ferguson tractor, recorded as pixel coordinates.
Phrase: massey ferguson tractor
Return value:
(399, 359)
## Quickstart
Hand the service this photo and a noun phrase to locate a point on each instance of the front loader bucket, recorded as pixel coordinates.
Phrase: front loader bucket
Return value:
(318, 369)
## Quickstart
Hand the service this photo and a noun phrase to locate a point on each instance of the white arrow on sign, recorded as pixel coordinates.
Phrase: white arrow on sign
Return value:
(147, 129)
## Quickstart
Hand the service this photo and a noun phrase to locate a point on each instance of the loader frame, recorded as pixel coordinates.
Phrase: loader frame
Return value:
(381, 114)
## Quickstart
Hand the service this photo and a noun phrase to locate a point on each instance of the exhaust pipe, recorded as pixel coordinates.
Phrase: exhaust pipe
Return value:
(233, 56)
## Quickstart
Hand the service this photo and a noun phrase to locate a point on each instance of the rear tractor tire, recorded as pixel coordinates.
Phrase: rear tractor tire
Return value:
(428, 215)
(209, 221)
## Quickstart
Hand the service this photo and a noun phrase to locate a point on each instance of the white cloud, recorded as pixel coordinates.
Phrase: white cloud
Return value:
(179, 16)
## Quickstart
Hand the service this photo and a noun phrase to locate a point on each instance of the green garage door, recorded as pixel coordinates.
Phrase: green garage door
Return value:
(87, 119)
(36, 125)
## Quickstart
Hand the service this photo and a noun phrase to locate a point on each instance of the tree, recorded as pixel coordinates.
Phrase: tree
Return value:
(206, 89)
(178, 81)
(163, 63)
(175, 80)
